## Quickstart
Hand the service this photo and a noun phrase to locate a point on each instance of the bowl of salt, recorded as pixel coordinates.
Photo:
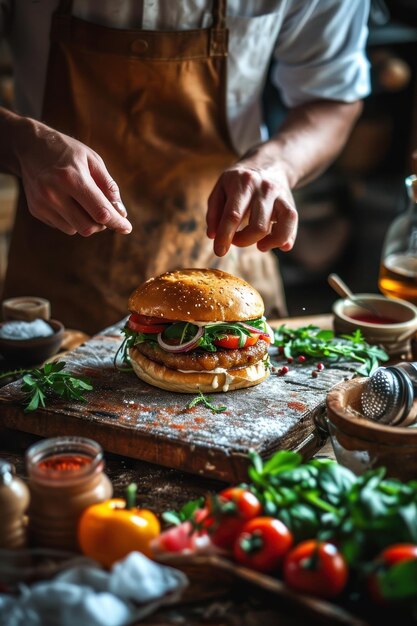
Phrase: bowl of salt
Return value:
(30, 343)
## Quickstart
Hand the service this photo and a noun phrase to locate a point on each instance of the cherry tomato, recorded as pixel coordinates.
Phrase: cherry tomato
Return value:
(262, 544)
(246, 503)
(228, 513)
(316, 568)
(232, 341)
(139, 324)
(387, 558)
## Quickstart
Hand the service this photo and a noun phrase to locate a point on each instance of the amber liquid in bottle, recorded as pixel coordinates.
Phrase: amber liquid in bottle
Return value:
(398, 277)
(398, 268)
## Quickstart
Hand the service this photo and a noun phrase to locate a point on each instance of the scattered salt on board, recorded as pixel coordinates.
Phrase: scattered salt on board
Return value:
(19, 329)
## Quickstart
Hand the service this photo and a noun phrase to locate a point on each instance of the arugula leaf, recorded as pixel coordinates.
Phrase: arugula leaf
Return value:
(204, 400)
(52, 380)
(131, 338)
(315, 342)
(185, 513)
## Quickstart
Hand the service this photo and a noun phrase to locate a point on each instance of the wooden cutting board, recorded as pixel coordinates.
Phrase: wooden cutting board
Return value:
(131, 418)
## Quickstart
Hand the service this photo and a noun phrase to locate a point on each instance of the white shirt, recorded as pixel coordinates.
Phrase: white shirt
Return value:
(318, 45)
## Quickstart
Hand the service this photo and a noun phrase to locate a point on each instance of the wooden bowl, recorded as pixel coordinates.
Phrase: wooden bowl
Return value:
(361, 444)
(32, 351)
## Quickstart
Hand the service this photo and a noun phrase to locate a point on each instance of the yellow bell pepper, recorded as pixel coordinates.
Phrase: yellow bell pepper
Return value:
(108, 531)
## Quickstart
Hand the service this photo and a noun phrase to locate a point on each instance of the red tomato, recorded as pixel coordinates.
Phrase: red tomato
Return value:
(246, 503)
(228, 513)
(232, 341)
(140, 324)
(387, 558)
(262, 544)
(316, 568)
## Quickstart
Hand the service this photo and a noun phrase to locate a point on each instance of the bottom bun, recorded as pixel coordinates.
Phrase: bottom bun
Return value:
(191, 382)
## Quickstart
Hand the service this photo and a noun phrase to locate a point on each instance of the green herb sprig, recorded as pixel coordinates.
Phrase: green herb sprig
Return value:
(201, 398)
(38, 384)
(186, 512)
(324, 344)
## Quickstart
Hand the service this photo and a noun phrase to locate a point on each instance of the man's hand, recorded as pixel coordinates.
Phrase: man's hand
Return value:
(66, 183)
(252, 201)
(250, 205)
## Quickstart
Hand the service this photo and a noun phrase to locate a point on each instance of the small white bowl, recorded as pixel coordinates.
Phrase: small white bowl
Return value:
(393, 337)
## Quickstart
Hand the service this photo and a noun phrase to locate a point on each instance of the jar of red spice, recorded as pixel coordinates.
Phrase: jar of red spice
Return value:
(66, 475)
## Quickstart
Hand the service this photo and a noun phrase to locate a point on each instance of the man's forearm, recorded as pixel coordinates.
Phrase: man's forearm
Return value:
(307, 142)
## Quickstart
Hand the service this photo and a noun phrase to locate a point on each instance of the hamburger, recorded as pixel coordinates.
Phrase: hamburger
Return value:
(194, 330)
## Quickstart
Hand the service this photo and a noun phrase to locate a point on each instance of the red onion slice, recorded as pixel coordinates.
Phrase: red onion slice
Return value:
(254, 330)
(182, 347)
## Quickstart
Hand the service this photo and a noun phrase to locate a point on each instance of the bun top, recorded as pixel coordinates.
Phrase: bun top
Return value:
(197, 295)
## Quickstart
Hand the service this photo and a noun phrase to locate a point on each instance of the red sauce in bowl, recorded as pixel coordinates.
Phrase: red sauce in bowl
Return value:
(368, 318)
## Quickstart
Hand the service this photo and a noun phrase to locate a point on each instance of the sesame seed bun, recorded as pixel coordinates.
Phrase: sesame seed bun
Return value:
(197, 295)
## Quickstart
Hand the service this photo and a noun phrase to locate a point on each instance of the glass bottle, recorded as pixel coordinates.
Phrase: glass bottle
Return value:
(398, 268)
(65, 476)
(14, 500)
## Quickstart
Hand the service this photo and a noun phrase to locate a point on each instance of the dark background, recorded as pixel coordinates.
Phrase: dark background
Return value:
(344, 214)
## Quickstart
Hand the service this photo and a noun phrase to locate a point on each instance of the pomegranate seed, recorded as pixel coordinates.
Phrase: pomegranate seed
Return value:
(320, 367)
(290, 359)
(281, 349)
(314, 373)
(283, 370)
(301, 359)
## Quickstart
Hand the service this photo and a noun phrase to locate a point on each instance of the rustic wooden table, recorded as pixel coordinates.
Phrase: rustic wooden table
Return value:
(160, 489)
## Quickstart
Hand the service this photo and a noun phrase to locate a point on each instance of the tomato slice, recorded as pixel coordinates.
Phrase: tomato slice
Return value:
(143, 324)
(232, 341)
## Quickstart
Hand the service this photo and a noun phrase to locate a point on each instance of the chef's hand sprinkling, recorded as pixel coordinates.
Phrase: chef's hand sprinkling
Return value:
(251, 206)
(67, 184)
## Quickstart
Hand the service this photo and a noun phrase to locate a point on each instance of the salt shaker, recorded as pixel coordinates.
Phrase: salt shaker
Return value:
(14, 501)
(389, 394)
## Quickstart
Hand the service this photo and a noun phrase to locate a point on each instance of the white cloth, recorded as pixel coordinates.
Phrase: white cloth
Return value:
(318, 46)
(88, 595)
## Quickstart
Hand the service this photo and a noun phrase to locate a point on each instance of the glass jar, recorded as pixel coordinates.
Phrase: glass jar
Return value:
(398, 268)
(65, 476)
(14, 500)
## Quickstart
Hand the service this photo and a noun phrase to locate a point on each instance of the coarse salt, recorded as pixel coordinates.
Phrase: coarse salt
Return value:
(20, 329)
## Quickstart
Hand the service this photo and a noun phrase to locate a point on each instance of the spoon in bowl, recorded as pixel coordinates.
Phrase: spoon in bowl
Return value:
(340, 287)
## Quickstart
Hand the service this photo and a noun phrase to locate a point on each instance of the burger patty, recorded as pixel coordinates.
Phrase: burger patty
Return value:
(200, 360)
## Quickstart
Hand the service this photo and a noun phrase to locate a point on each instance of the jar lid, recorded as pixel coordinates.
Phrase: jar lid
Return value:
(7, 472)
(26, 308)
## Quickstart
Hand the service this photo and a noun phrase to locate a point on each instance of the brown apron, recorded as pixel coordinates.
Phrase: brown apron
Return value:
(152, 105)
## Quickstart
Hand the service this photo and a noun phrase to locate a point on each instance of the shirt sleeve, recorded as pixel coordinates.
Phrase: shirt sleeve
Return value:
(320, 52)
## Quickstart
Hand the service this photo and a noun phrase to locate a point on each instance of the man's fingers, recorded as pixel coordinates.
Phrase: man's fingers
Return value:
(259, 226)
(215, 206)
(77, 217)
(105, 182)
(90, 197)
(237, 198)
(284, 228)
(51, 218)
